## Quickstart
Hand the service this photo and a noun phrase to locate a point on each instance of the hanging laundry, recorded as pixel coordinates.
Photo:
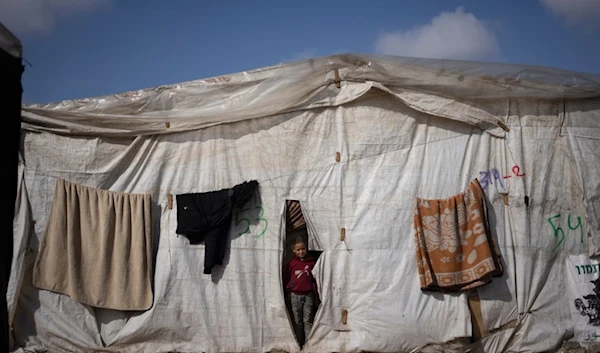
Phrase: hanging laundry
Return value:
(97, 248)
(455, 249)
(206, 217)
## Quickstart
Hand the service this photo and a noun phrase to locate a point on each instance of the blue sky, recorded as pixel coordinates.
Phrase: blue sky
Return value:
(85, 48)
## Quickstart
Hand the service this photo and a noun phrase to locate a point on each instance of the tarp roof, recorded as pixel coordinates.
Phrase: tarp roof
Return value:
(446, 88)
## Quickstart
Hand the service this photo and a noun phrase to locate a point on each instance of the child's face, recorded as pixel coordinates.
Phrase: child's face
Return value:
(299, 250)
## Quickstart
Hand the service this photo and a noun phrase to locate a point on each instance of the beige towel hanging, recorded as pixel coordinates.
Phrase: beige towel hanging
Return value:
(97, 248)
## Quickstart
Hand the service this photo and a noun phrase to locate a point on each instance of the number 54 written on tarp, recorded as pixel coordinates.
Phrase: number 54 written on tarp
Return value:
(559, 233)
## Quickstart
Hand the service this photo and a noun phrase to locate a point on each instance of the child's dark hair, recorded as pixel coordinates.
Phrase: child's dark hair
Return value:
(298, 240)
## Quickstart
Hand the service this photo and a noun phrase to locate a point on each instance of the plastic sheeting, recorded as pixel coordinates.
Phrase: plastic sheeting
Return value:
(397, 138)
(425, 84)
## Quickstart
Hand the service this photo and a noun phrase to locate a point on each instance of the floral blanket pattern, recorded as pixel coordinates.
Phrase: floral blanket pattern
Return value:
(454, 246)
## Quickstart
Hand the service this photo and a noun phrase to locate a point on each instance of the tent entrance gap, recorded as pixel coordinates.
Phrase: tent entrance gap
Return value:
(295, 226)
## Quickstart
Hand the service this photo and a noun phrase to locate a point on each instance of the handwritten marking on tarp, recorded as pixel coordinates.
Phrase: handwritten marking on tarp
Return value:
(260, 219)
(559, 233)
(592, 337)
(516, 172)
(487, 177)
(587, 269)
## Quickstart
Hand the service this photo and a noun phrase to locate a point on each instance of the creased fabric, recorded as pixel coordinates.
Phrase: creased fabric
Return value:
(97, 248)
(455, 249)
(206, 217)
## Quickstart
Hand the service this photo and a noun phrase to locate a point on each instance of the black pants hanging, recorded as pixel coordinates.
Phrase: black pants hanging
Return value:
(206, 217)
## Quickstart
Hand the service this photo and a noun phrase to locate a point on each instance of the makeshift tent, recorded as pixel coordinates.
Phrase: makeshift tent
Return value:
(355, 139)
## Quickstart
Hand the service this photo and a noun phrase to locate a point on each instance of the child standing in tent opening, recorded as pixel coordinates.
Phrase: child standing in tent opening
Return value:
(302, 286)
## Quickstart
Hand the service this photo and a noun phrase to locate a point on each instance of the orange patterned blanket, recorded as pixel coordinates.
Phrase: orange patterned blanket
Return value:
(455, 249)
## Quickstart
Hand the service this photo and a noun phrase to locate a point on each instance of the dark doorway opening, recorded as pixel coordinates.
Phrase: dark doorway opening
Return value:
(295, 227)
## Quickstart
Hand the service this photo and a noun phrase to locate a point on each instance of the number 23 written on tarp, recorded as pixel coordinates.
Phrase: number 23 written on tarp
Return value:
(559, 233)
(260, 219)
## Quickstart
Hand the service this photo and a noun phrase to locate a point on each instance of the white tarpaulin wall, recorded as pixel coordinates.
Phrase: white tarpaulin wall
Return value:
(403, 128)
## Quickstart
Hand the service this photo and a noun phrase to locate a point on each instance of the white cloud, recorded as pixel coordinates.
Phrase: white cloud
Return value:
(575, 11)
(39, 16)
(450, 35)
